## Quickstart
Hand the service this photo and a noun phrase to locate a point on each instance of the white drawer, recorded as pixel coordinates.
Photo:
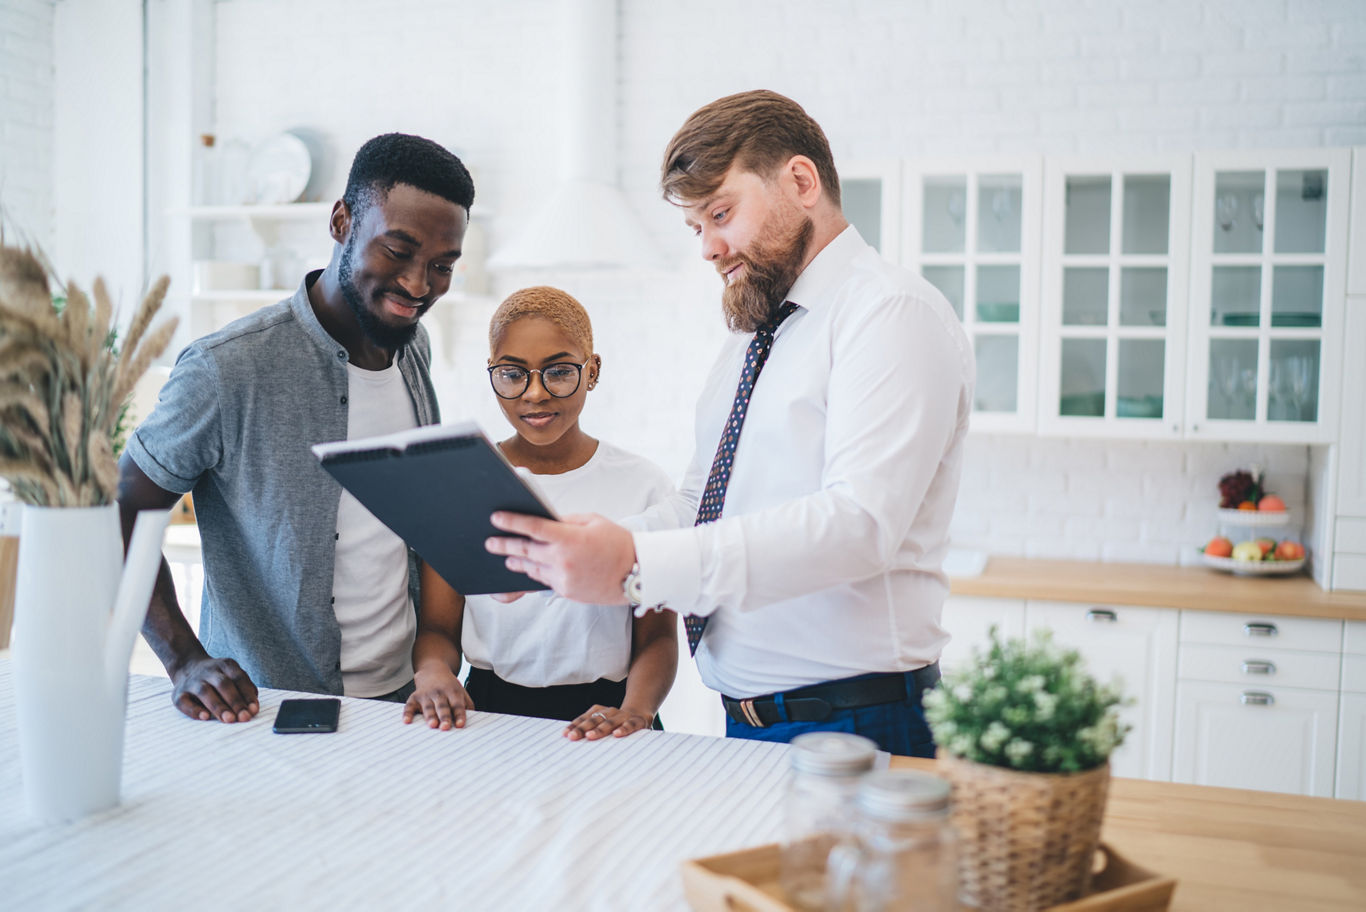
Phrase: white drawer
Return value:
(1251, 666)
(1351, 535)
(1264, 631)
(1354, 637)
(1354, 674)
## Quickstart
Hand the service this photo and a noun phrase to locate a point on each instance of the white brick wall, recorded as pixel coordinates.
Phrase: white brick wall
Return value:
(886, 79)
(26, 87)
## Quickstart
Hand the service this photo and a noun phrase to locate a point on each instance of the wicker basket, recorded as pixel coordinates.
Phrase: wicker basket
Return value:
(1026, 840)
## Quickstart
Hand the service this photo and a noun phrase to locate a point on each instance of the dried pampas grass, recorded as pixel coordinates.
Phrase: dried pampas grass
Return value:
(63, 385)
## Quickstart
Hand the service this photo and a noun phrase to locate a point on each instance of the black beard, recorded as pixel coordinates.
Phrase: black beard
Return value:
(771, 267)
(390, 338)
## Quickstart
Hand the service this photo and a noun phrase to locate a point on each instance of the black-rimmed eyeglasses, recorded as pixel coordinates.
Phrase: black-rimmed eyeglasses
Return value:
(560, 379)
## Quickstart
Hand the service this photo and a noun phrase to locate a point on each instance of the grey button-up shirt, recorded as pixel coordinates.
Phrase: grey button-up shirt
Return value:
(234, 424)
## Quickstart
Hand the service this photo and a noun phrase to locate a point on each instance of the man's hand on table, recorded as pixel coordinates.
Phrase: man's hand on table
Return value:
(209, 688)
(440, 698)
(601, 721)
(583, 557)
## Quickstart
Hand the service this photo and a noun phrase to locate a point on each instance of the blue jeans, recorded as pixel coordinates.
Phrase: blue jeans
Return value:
(899, 727)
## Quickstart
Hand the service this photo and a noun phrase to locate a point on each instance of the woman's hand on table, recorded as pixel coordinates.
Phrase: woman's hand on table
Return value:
(601, 721)
(440, 698)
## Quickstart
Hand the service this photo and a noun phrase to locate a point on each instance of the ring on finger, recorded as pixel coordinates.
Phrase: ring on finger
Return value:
(598, 715)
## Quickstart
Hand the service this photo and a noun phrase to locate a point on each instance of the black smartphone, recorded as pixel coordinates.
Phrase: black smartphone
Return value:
(303, 716)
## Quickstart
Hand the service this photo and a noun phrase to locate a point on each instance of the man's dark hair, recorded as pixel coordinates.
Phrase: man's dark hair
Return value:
(399, 158)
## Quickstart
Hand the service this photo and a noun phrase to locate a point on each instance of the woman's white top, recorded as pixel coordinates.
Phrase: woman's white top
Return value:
(543, 639)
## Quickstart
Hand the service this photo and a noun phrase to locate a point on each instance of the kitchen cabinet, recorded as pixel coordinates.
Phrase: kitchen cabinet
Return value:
(1114, 290)
(1351, 772)
(1257, 702)
(1136, 648)
(870, 193)
(1268, 277)
(972, 230)
(969, 621)
(1356, 268)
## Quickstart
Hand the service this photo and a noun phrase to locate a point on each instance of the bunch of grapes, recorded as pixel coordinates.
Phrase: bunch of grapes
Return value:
(1236, 487)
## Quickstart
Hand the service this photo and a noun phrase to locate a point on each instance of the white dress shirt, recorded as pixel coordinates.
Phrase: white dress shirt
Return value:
(827, 560)
(543, 639)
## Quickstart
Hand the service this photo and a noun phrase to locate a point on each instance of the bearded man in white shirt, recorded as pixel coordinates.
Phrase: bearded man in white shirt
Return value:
(821, 583)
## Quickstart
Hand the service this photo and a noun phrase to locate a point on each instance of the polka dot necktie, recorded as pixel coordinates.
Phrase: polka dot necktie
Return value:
(714, 495)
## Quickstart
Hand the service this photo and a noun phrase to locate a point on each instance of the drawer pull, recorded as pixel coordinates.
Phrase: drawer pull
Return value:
(1260, 630)
(1102, 614)
(1257, 698)
(1259, 667)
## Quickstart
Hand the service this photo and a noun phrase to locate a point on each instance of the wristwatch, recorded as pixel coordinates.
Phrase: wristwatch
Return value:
(631, 587)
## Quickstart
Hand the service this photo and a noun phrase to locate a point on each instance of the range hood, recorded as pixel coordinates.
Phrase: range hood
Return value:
(586, 222)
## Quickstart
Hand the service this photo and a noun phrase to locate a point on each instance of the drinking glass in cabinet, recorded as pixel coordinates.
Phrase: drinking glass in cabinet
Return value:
(1086, 226)
(1138, 387)
(998, 294)
(999, 198)
(1082, 386)
(1143, 296)
(1147, 213)
(1085, 296)
(1301, 211)
(1233, 379)
(949, 281)
(1297, 296)
(1238, 207)
(998, 366)
(861, 199)
(1235, 295)
(945, 206)
(1294, 381)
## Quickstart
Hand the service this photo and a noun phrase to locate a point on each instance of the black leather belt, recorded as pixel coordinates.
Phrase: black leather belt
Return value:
(817, 702)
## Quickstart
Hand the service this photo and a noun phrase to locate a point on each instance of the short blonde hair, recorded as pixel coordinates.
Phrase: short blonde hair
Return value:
(559, 307)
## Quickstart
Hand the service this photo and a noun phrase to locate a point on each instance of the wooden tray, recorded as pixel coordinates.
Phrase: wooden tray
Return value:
(747, 881)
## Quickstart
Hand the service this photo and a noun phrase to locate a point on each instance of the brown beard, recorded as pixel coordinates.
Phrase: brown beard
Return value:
(772, 264)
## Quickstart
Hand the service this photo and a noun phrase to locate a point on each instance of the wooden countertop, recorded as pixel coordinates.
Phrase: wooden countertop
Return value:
(1237, 850)
(1199, 588)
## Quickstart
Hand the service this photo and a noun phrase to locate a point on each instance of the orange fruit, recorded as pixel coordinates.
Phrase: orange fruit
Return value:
(1289, 550)
(1247, 505)
(1266, 544)
(1271, 504)
(1219, 547)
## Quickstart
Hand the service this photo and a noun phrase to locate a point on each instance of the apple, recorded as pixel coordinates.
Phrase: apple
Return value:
(1271, 504)
(1219, 547)
(1247, 551)
(1267, 545)
(1289, 550)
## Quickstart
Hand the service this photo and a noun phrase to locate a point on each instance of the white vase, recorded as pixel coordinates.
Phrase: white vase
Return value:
(77, 614)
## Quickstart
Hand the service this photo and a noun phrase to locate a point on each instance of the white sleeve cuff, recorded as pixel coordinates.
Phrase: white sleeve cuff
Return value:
(670, 569)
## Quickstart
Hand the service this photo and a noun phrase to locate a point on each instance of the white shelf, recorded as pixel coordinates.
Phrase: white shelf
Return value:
(279, 211)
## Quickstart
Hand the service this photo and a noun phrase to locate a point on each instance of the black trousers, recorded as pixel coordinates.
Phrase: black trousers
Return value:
(565, 702)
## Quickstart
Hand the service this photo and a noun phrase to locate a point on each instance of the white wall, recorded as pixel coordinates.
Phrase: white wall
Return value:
(885, 78)
(26, 103)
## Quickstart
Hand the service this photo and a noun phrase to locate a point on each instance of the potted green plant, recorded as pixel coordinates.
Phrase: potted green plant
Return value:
(1025, 736)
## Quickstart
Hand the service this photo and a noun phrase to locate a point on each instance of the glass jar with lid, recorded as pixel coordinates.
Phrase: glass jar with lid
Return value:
(822, 783)
(903, 855)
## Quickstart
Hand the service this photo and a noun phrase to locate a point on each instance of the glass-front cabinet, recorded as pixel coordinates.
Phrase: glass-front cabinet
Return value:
(971, 229)
(870, 193)
(1115, 269)
(1267, 286)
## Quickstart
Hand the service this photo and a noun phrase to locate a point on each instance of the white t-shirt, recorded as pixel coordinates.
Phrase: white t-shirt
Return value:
(370, 580)
(542, 639)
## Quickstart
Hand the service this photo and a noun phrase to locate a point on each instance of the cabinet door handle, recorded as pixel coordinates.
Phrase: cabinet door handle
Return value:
(1254, 629)
(1101, 614)
(1257, 698)
(1259, 667)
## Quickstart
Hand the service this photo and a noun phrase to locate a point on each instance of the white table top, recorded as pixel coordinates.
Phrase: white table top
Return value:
(504, 814)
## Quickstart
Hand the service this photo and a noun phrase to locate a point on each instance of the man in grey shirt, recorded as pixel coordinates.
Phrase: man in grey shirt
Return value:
(234, 424)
